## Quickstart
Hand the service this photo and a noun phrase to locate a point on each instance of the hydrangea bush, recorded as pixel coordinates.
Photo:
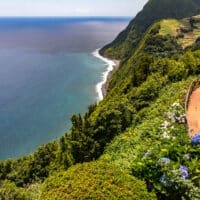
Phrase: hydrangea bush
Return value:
(172, 167)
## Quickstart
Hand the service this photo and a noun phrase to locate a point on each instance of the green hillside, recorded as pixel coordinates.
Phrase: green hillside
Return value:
(134, 144)
(153, 11)
(185, 30)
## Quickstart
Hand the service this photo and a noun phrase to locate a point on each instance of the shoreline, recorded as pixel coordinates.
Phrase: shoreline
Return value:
(112, 66)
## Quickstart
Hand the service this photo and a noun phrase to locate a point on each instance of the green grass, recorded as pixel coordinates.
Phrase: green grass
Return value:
(173, 27)
(190, 37)
(169, 27)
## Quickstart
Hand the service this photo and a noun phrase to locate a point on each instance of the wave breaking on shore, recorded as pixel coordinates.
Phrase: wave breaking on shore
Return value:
(111, 64)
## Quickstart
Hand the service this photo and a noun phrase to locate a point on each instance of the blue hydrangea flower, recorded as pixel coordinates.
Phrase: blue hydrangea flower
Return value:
(196, 139)
(184, 171)
(165, 160)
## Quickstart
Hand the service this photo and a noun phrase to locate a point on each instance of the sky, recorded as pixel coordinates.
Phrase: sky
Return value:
(70, 7)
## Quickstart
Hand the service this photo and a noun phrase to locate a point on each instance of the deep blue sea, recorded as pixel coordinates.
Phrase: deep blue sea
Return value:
(47, 73)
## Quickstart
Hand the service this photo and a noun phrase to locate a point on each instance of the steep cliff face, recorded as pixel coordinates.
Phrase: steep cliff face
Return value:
(153, 11)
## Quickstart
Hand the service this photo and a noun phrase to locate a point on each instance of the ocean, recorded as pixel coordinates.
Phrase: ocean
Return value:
(48, 72)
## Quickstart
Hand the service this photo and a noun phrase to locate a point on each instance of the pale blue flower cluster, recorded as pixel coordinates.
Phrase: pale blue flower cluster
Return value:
(165, 160)
(184, 171)
(196, 139)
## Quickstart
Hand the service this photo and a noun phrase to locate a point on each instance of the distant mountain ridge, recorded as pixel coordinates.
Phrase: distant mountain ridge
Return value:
(153, 11)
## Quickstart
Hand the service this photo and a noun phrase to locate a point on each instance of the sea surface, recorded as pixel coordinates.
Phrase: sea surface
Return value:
(47, 73)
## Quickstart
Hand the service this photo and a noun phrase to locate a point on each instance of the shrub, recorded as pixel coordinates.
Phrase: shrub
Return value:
(95, 180)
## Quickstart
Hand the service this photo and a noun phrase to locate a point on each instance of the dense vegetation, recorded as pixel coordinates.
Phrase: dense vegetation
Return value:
(114, 184)
(127, 41)
(133, 142)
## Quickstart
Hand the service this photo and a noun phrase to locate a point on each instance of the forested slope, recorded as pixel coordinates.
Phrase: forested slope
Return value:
(154, 10)
(133, 144)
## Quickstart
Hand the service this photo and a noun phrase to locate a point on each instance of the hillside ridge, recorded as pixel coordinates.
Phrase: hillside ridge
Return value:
(154, 10)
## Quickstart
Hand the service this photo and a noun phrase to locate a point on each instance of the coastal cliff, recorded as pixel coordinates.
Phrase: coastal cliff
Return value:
(126, 42)
(133, 144)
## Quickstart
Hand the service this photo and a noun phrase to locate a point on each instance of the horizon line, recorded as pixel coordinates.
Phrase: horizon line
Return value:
(71, 16)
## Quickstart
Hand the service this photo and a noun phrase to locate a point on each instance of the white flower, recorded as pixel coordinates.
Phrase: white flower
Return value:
(166, 135)
(165, 124)
(176, 105)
